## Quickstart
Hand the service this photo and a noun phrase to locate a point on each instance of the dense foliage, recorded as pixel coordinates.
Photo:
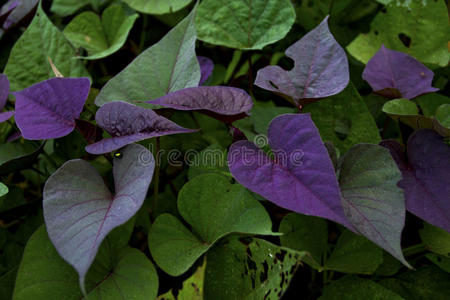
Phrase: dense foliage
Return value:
(230, 149)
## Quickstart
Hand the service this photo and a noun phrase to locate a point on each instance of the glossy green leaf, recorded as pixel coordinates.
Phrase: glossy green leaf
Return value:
(249, 268)
(435, 239)
(411, 29)
(28, 62)
(157, 7)
(116, 272)
(422, 284)
(344, 119)
(212, 159)
(353, 287)
(3, 189)
(305, 233)
(100, 37)
(17, 156)
(214, 208)
(244, 25)
(400, 107)
(430, 102)
(443, 115)
(167, 66)
(354, 254)
(371, 199)
(68, 7)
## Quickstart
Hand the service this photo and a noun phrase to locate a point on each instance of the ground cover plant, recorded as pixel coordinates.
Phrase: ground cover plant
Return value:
(266, 149)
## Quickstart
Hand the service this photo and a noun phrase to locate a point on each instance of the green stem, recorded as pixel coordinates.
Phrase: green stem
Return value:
(413, 250)
(143, 32)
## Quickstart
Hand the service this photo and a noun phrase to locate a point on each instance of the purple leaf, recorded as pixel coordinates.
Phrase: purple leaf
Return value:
(6, 9)
(22, 8)
(80, 211)
(426, 176)
(372, 201)
(395, 74)
(320, 68)
(206, 68)
(127, 123)
(49, 108)
(6, 115)
(301, 176)
(215, 100)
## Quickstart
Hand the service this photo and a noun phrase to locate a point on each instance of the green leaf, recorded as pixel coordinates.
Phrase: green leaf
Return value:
(157, 7)
(435, 239)
(68, 7)
(305, 233)
(17, 156)
(167, 66)
(43, 274)
(214, 208)
(249, 268)
(430, 102)
(192, 287)
(212, 159)
(354, 254)
(100, 37)
(423, 284)
(390, 265)
(353, 287)
(440, 261)
(12, 199)
(408, 29)
(443, 115)
(28, 62)
(244, 25)
(344, 119)
(406, 111)
(3, 189)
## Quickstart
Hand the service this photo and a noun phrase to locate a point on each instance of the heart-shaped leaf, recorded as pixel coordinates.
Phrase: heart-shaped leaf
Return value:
(391, 70)
(206, 68)
(48, 109)
(372, 201)
(409, 27)
(28, 61)
(214, 208)
(443, 115)
(101, 37)
(116, 271)
(66, 8)
(426, 176)
(18, 156)
(227, 101)
(127, 123)
(156, 7)
(244, 25)
(249, 268)
(80, 211)
(435, 239)
(300, 177)
(320, 68)
(167, 66)
(4, 92)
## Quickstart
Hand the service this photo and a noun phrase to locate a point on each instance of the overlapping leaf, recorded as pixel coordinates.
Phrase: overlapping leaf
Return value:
(167, 66)
(206, 68)
(18, 156)
(127, 123)
(214, 208)
(426, 176)
(300, 177)
(16, 10)
(67, 7)
(4, 92)
(28, 61)
(80, 211)
(231, 102)
(395, 74)
(371, 199)
(48, 109)
(101, 37)
(409, 27)
(320, 68)
(244, 25)
(157, 7)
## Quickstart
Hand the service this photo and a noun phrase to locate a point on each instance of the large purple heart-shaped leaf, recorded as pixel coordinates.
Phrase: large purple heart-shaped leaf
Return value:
(206, 68)
(372, 201)
(426, 176)
(300, 177)
(395, 74)
(48, 109)
(128, 123)
(320, 68)
(80, 211)
(227, 101)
